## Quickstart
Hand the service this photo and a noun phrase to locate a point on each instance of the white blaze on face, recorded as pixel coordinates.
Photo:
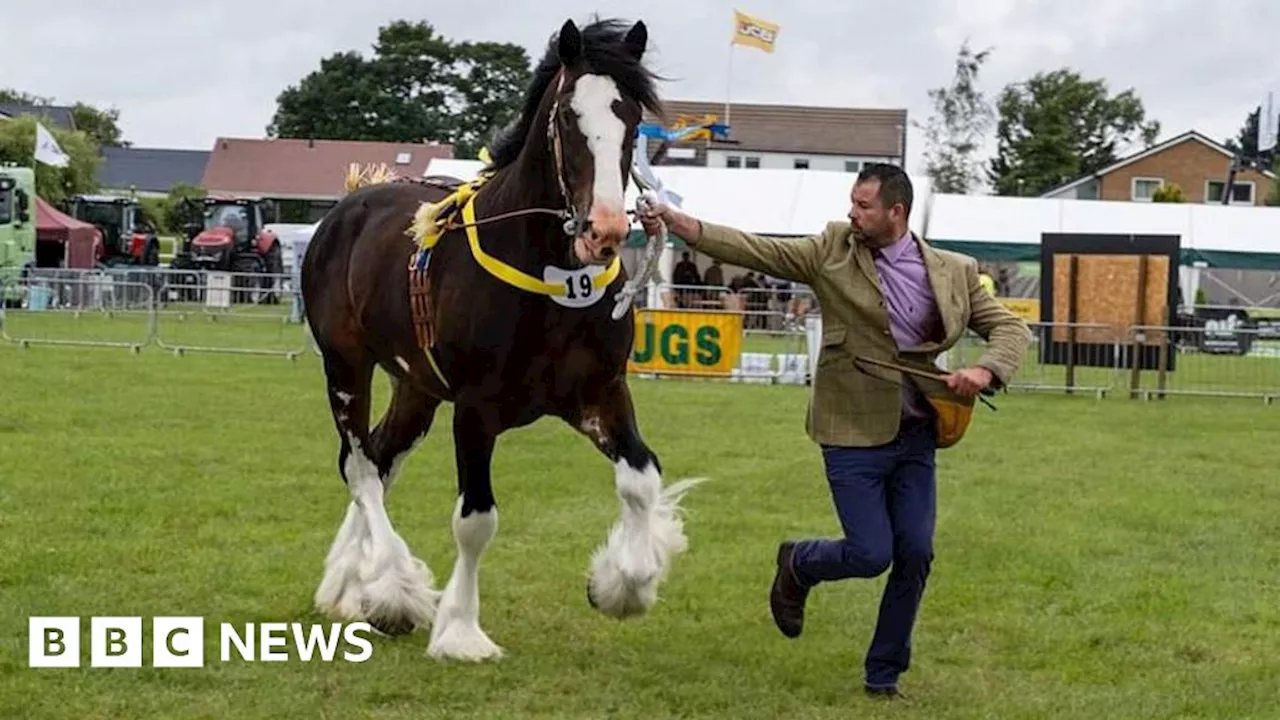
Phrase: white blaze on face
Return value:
(593, 99)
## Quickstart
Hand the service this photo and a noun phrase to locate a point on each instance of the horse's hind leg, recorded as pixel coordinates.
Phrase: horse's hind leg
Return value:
(627, 569)
(370, 574)
(457, 634)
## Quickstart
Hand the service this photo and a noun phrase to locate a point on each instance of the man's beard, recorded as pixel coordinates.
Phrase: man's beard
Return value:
(869, 241)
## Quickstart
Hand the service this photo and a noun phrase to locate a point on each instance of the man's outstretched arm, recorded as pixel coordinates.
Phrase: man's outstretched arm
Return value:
(796, 259)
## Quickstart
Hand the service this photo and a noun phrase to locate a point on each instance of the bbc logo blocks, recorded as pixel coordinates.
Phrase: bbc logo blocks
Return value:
(176, 642)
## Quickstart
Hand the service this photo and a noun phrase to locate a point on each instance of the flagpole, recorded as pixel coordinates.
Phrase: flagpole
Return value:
(728, 85)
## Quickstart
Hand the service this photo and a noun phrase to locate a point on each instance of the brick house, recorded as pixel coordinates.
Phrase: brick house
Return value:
(305, 177)
(1192, 161)
(788, 136)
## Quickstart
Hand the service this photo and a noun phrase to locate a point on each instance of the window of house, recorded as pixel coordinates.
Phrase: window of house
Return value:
(1088, 190)
(733, 161)
(1145, 187)
(1241, 192)
(801, 163)
(852, 166)
(753, 162)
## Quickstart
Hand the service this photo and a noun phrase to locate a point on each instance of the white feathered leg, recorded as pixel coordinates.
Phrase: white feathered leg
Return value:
(370, 574)
(627, 569)
(457, 634)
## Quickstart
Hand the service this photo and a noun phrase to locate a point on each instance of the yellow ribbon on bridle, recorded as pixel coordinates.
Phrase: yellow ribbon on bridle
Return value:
(433, 220)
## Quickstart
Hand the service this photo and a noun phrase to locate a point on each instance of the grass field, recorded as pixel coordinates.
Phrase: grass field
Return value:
(1094, 558)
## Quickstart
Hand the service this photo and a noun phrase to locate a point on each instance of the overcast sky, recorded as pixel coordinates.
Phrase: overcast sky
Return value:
(183, 73)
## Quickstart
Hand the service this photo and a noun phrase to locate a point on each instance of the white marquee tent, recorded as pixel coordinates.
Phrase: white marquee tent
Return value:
(801, 202)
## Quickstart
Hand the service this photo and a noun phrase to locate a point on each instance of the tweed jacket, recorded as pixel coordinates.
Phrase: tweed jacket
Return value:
(849, 407)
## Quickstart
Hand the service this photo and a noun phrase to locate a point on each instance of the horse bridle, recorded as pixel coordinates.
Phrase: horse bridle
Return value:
(575, 222)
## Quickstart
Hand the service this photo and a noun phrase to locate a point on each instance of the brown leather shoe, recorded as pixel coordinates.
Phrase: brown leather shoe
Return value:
(787, 596)
(889, 692)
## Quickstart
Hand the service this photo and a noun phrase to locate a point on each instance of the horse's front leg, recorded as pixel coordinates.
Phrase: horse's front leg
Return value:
(627, 569)
(456, 634)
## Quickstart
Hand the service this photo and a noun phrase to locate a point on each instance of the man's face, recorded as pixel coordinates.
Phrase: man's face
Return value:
(873, 224)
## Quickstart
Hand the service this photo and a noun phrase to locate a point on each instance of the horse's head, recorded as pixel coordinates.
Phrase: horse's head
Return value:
(597, 100)
(572, 142)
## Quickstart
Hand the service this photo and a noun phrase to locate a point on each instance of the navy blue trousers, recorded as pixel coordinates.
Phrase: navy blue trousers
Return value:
(886, 499)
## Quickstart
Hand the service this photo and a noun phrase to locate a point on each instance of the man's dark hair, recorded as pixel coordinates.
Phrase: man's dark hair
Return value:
(895, 185)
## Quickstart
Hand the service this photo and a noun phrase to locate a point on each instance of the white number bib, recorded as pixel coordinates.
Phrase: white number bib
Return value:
(579, 290)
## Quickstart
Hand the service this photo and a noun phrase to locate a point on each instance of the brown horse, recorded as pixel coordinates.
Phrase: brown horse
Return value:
(507, 317)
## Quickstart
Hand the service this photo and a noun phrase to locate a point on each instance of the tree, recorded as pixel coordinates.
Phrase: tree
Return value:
(961, 117)
(1245, 143)
(54, 184)
(178, 213)
(489, 81)
(1057, 126)
(10, 96)
(101, 125)
(340, 101)
(417, 86)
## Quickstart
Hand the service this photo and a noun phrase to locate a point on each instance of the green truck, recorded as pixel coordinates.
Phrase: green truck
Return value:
(17, 227)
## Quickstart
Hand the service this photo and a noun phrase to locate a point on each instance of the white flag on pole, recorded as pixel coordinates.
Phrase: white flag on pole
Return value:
(47, 149)
(1268, 123)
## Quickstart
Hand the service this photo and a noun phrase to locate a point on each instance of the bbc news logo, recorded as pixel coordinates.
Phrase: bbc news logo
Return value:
(178, 642)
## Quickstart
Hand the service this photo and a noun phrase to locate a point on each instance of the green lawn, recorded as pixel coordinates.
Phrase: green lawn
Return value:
(1094, 558)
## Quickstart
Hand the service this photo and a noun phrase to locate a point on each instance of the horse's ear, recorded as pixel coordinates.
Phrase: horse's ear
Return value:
(637, 39)
(570, 46)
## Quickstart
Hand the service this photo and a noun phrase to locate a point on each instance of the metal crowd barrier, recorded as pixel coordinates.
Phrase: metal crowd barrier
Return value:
(1209, 361)
(770, 310)
(1144, 361)
(71, 309)
(180, 312)
(1066, 357)
(175, 310)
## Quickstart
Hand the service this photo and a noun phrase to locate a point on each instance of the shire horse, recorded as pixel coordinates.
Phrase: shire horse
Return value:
(506, 314)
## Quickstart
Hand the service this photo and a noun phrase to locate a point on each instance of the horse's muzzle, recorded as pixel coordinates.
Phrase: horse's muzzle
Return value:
(606, 231)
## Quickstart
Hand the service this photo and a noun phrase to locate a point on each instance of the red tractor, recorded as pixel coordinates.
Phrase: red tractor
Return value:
(232, 239)
(128, 238)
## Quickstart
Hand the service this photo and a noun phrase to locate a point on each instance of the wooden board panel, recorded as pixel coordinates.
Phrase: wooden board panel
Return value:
(1107, 294)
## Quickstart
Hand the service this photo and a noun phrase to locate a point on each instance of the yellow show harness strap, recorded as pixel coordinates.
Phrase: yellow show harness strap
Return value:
(433, 226)
(517, 278)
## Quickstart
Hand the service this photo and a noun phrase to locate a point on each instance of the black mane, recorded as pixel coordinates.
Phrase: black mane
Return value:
(604, 52)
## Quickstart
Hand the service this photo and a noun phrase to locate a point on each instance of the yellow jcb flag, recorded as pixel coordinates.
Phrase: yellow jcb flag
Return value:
(754, 32)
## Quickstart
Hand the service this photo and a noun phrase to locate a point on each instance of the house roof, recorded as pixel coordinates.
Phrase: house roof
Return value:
(801, 128)
(151, 169)
(1190, 135)
(305, 169)
(60, 115)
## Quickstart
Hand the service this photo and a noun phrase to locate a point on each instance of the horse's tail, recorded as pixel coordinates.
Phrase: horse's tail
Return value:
(358, 177)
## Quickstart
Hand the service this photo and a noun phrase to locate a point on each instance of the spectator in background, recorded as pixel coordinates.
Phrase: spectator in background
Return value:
(714, 276)
(713, 281)
(1004, 280)
(685, 277)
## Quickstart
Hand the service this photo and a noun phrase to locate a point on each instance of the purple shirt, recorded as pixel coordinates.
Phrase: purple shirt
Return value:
(909, 300)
